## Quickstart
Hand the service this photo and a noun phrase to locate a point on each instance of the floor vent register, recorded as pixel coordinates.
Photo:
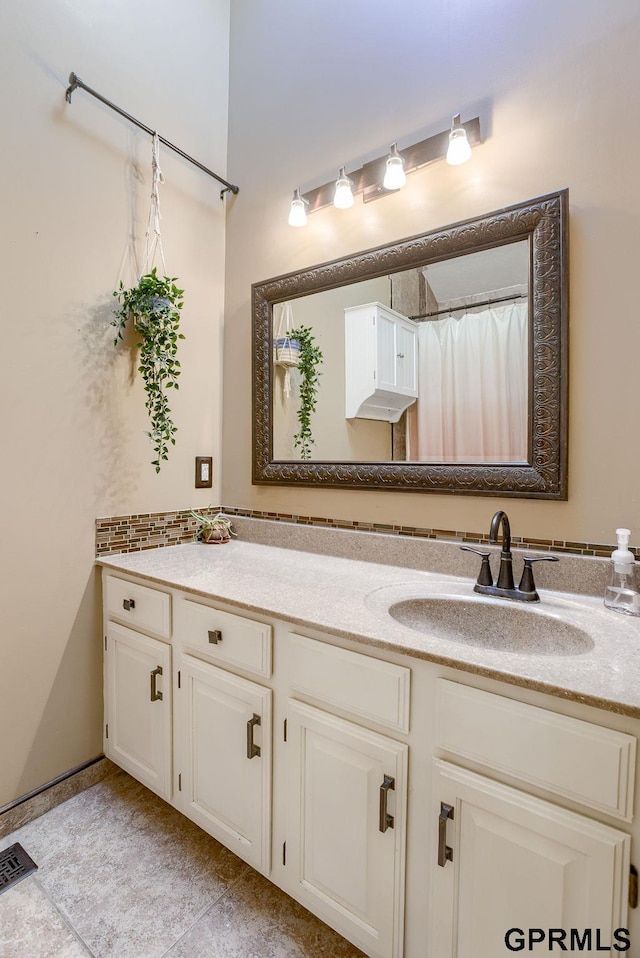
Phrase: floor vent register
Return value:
(15, 865)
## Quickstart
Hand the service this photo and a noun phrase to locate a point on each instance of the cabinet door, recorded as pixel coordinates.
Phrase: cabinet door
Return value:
(224, 759)
(138, 706)
(518, 862)
(406, 356)
(346, 827)
(386, 336)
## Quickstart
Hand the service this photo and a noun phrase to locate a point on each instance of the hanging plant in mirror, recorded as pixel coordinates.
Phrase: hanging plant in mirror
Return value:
(309, 358)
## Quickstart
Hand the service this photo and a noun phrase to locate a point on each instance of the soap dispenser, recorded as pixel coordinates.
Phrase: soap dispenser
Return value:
(622, 595)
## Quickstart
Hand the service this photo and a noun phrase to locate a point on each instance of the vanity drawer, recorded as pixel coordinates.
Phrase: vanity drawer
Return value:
(366, 687)
(138, 605)
(570, 757)
(224, 637)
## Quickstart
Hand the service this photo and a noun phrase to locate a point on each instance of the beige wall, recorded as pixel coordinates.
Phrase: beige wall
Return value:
(556, 86)
(75, 187)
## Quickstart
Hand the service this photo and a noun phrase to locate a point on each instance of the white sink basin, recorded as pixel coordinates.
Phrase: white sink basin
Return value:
(492, 624)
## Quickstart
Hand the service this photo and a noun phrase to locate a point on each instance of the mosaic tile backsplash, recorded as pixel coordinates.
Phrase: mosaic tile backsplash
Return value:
(145, 531)
(157, 529)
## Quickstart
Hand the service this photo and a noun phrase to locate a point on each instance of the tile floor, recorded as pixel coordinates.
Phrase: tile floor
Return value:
(123, 875)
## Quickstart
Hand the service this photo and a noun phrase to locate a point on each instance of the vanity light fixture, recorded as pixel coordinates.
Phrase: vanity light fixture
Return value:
(343, 196)
(297, 213)
(387, 174)
(459, 150)
(395, 176)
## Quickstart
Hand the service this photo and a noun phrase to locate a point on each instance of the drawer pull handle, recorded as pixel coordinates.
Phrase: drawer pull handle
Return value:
(155, 695)
(445, 852)
(386, 820)
(128, 604)
(215, 636)
(252, 749)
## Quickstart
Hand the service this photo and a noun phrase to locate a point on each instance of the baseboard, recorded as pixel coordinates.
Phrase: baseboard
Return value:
(58, 790)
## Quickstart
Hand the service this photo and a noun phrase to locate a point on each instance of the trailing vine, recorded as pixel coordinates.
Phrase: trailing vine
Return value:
(153, 306)
(310, 358)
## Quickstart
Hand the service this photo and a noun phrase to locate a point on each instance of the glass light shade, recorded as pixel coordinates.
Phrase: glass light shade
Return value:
(459, 150)
(297, 213)
(343, 197)
(395, 176)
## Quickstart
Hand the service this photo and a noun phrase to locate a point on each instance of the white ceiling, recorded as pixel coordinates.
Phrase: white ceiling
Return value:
(487, 271)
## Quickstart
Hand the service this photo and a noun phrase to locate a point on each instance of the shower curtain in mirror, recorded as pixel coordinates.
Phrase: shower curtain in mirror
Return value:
(472, 388)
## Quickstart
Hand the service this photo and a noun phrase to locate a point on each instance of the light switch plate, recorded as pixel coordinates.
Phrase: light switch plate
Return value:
(204, 472)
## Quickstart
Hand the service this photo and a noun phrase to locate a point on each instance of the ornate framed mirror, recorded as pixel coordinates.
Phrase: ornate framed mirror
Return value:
(444, 362)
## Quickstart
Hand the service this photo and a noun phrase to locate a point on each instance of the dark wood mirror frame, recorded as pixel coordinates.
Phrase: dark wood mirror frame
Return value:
(543, 221)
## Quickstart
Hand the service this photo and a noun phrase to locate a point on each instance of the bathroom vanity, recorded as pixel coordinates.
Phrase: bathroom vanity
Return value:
(423, 785)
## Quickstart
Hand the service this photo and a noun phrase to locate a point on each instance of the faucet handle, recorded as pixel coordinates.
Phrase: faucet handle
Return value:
(485, 577)
(526, 582)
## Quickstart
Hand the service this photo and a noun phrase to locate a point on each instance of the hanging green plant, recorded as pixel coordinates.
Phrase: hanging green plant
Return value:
(153, 306)
(310, 358)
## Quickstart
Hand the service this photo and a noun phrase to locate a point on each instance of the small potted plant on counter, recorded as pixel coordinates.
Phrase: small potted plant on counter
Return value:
(213, 530)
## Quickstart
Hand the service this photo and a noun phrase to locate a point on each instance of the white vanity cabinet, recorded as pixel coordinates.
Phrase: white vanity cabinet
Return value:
(223, 758)
(419, 810)
(347, 791)
(511, 861)
(138, 700)
(346, 836)
(177, 718)
(222, 730)
(223, 734)
(504, 859)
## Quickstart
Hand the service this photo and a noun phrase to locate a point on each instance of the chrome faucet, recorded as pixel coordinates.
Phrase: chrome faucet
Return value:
(505, 587)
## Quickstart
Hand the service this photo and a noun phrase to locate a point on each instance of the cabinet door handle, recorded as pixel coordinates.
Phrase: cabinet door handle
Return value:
(252, 749)
(128, 604)
(215, 636)
(386, 820)
(155, 695)
(445, 852)
(400, 355)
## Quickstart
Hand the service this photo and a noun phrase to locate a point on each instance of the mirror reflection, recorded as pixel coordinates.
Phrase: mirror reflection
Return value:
(442, 362)
(426, 365)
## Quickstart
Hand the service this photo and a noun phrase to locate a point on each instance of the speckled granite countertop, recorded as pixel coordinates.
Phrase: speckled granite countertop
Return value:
(351, 598)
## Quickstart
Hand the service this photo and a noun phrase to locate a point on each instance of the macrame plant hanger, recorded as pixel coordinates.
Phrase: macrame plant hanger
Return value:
(153, 241)
(153, 307)
(286, 351)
